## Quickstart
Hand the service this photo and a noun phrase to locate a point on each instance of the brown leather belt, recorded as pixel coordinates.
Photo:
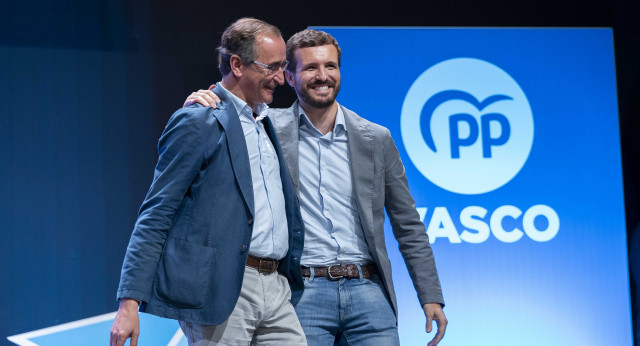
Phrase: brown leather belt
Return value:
(264, 265)
(349, 271)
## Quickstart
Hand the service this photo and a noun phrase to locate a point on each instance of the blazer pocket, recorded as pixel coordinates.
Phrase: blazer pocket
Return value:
(184, 274)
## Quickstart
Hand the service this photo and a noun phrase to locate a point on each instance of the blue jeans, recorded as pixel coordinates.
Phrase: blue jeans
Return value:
(347, 312)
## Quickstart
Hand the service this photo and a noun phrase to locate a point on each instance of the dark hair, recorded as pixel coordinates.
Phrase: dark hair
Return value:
(308, 38)
(239, 39)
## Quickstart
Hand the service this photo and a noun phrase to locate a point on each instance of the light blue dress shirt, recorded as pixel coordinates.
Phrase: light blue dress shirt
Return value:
(333, 232)
(270, 230)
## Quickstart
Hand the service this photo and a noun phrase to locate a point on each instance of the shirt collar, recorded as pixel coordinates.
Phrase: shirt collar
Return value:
(337, 127)
(243, 108)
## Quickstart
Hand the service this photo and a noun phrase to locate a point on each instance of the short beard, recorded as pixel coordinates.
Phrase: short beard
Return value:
(307, 99)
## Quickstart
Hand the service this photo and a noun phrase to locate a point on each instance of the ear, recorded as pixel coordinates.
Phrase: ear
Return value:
(237, 68)
(289, 77)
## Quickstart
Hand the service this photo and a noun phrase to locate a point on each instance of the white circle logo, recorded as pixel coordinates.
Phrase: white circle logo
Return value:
(467, 126)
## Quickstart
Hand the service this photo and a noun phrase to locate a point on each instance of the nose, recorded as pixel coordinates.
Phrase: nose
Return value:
(321, 73)
(279, 76)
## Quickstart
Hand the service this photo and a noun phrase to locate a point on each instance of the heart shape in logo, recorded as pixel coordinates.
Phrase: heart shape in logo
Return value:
(445, 96)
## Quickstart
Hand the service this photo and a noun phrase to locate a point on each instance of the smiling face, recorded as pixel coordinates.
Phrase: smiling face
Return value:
(256, 83)
(316, 77)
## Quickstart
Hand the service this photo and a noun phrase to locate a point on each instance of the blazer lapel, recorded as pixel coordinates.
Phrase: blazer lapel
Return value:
(360, 144)
(228, 118)
(289, 135)
(268, 126)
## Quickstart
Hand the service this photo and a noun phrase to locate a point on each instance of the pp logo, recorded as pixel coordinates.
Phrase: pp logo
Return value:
(467, 126)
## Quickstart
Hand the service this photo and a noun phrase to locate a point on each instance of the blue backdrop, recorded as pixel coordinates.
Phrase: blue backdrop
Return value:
(511, 147)
(509, 138)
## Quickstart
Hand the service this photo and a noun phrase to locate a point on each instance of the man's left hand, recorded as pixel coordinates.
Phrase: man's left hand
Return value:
(204, 97)
(433, 312)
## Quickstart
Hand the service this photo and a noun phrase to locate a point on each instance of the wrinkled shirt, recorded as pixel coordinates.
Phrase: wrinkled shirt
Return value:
(333, 232)
(270, 236)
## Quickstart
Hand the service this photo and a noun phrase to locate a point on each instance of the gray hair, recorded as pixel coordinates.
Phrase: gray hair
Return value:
(239, 39)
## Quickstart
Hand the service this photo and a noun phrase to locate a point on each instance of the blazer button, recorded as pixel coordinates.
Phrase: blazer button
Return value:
(250, 221)
(244, 247)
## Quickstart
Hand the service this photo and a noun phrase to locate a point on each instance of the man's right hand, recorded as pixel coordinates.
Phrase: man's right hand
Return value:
(126, 325)
(204, 97)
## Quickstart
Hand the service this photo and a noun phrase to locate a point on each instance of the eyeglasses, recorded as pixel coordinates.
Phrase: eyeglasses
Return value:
(272, 69)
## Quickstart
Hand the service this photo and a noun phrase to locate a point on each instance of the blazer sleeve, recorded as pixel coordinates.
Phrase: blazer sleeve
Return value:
(180, 155)
(408, 230)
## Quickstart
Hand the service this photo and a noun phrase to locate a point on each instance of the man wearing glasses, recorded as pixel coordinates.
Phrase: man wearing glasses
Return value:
(346, 172)
(220, 227)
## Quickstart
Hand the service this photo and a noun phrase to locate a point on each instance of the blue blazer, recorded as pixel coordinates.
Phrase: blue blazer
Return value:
(188, 250)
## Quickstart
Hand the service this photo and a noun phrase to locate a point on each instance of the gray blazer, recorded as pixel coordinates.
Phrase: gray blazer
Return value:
(379, 182)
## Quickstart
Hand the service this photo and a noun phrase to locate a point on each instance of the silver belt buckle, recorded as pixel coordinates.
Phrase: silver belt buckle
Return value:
(331, 276)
